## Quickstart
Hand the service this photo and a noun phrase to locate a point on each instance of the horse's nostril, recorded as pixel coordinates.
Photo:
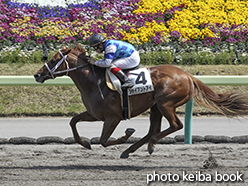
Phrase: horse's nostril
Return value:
(36, 76)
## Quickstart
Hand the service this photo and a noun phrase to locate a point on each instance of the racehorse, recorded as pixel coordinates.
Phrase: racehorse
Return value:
(173, 87)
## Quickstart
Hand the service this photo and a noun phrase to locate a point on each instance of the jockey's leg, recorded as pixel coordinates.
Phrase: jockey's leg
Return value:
(125, 63)
(125, 81)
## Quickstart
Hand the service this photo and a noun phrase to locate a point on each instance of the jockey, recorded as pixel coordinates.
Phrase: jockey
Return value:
(118, 55)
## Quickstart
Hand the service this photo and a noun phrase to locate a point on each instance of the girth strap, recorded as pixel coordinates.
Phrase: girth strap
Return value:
(125, 107)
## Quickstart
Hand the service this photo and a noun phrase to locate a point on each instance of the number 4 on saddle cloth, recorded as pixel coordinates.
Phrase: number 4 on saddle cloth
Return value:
(142, 84)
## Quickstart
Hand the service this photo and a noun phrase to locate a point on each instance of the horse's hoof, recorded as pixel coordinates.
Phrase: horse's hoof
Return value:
(130, 131)
(87, 145)
(150, 149)
(124, 156)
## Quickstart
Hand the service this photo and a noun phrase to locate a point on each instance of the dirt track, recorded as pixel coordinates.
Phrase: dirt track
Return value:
(72, 165)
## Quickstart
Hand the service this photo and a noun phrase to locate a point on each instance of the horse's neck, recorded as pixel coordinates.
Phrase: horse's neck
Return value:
(87, 82)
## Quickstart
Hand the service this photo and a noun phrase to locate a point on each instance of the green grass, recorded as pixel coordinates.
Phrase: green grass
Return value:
(66, 100)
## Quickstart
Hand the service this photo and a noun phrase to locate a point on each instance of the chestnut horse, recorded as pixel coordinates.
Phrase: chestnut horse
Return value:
(172, 88)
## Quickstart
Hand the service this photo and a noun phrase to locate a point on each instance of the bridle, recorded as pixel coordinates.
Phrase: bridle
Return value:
(68, 69)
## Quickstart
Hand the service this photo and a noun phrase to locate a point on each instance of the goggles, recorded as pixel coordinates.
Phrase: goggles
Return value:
(96, 47)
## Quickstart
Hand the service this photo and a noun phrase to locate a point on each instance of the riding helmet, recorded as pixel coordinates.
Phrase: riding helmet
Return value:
(96, 39)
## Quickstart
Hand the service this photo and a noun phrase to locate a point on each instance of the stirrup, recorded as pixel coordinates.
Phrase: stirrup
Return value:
(127, 84)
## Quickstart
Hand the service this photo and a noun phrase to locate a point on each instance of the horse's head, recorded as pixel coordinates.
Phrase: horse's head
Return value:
(60, 64)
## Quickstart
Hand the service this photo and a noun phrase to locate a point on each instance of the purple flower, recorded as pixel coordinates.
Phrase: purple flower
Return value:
(99, 16)
(175, 34)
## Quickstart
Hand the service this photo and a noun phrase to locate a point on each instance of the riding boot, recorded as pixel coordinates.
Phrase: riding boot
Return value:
(125, 81)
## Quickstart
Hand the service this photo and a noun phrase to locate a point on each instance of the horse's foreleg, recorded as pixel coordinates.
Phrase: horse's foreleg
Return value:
(85, 116)
(155, 127)
(108, 128)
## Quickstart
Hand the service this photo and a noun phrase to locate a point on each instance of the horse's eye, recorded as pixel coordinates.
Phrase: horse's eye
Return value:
(53, 61)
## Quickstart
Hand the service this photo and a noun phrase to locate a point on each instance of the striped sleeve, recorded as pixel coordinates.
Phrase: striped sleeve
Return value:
(110, 52)
(109, 55)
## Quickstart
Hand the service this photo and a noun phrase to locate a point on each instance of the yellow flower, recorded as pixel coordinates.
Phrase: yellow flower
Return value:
(133, 30)
(194, 14)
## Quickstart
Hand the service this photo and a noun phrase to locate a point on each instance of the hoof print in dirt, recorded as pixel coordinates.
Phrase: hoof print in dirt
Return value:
(211, 162)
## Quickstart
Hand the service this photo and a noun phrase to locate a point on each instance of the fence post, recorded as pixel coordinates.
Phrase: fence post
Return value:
(188, 122)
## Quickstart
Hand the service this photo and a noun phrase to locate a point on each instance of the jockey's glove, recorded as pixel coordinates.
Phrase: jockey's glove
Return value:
(91, 61)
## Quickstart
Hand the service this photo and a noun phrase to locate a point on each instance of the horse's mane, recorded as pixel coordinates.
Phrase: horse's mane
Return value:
(81, 51)
(79, 48)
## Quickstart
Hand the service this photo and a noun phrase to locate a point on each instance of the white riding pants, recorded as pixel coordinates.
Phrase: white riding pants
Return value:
(128, 62)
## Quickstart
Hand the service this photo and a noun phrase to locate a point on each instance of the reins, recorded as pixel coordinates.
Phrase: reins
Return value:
(98, 82)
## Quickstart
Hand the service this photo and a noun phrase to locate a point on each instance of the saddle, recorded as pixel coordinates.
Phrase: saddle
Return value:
(130, 69)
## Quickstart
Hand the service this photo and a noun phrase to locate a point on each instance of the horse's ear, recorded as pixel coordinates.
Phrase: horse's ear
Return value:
(66, 50)
(78, 46)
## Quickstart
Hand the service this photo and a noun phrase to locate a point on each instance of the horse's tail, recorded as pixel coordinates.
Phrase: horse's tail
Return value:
(229, 104)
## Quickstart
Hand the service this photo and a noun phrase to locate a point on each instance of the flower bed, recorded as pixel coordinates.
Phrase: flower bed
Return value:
(219, 24)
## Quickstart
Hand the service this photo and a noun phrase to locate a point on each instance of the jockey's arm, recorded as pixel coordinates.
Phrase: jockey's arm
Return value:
(104, 63)
(108, 57)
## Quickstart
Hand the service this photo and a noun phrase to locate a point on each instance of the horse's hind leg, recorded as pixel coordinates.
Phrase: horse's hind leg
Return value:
(174, 121)
(108, 128)
(155, 127)
(85, 116)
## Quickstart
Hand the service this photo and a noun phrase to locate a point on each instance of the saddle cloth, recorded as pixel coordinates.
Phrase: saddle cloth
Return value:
(140, 77)
(142, 84)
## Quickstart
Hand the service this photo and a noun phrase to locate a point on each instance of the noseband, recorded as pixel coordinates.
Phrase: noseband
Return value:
(68, 69)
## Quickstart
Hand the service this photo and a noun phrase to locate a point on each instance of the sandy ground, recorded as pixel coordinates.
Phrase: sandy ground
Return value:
(72, 165)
